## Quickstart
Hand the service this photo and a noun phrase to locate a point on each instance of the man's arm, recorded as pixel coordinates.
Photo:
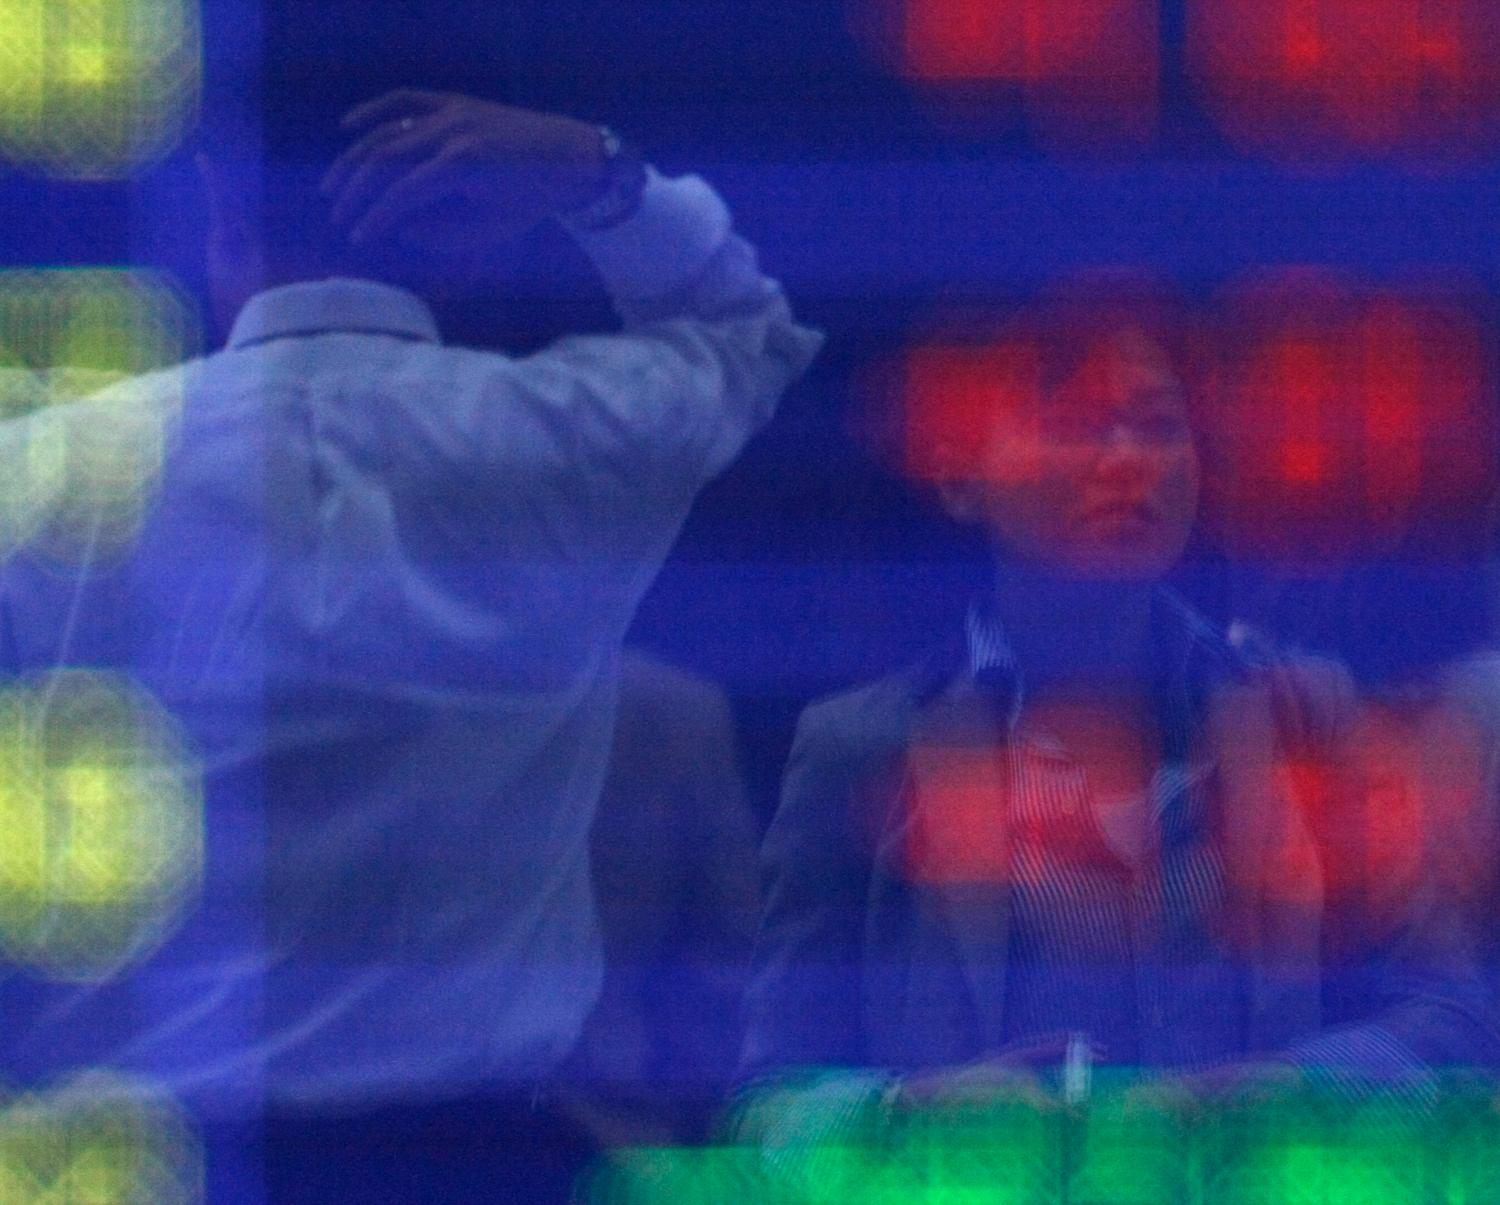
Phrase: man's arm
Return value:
(615, 428)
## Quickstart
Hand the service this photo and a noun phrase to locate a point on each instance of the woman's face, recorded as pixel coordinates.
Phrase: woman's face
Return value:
(1100, 479)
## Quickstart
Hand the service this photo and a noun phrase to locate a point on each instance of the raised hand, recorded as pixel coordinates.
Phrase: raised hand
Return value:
(458, 173)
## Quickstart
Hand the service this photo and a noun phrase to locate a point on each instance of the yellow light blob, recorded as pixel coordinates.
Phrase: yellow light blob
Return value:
(106, 323)
(77, 477)
(23, 818)
(99, 1138)
(89, 65)
(95, 89)
(103, 813)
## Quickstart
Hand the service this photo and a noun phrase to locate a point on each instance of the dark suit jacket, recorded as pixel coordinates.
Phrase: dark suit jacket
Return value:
(865, 962)
(673, 861)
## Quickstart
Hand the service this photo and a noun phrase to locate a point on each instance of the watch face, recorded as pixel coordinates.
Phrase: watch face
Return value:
(620, 193)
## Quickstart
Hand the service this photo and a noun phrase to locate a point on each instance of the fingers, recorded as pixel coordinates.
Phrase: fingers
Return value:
(404, 102)
(358, 152)
(362, 180)
(396, 133)
(1029, 1091)
(427, 183)
(414, 149)
(1164, 1097)
(991, 1083)
(990, 1093)
(1245, 1083)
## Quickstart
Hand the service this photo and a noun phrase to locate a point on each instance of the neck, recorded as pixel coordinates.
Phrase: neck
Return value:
(1075, 632)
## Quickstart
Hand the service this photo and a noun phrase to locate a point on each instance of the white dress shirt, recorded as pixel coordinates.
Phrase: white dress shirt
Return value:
(382, 583)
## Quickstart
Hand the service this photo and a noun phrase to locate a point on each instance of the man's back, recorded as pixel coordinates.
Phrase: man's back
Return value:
(381, 585)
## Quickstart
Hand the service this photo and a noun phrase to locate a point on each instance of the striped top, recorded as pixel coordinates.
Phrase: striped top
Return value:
(1123, 954)
(1130, 955)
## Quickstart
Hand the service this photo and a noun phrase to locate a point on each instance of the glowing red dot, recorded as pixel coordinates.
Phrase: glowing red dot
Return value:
(957, 803)
(955, 395)
(1439, 51)
(1303, 461)
(1304, 51)
(963, 39)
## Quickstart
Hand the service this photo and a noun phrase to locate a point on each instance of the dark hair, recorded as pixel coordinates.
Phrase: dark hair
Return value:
(1067, 321)
(929, 414)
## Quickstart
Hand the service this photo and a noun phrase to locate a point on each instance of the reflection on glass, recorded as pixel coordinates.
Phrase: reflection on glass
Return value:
(1347, 417)
(1088, 71)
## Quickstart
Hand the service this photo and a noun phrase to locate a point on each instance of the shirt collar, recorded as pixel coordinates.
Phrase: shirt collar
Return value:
(992, 660)
(1190, 656)
(337, 306)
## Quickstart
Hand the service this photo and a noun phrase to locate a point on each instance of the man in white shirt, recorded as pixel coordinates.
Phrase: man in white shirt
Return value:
(380, 584)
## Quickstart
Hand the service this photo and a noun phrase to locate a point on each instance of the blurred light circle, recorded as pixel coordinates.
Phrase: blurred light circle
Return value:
(103, 807)
(95, 89)
(80, 460)
(98, 1137)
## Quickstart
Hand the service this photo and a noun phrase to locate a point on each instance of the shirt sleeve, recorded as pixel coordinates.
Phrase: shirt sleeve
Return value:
(596, 446)
(695, 302)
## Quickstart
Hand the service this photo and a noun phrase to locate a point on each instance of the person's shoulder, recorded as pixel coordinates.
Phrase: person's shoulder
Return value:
(167, 382)
(1313, 695)
(848, 751)
(95, 409)
(29, 399)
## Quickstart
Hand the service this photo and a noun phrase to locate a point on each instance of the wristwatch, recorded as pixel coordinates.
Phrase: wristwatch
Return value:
(619, 195)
